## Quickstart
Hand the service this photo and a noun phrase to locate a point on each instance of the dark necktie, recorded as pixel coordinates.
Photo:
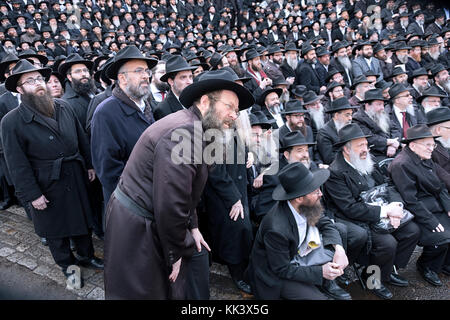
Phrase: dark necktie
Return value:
(148, 113)
(405, 125)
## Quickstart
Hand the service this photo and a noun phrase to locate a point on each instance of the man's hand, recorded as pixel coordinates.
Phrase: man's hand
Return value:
(290, 80)
(91, 175)
(175, 271)
(331, 271)
(265, 82)
(258, 182)
(340, 258)
(237, 210)
(323, 89)
(395, 213)
(393, 143)
(40, 203)
(199, 241)
(391, 151)
(250, 160)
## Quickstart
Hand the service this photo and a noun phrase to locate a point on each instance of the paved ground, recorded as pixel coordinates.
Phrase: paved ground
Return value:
(27, 271)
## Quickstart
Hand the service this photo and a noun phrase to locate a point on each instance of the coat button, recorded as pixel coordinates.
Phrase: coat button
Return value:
(51, 137)
(240, 177)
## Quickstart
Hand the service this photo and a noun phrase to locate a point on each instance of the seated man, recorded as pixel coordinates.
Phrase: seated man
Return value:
(416, 177)
(352, 172)
(374, 121)
(283, 263)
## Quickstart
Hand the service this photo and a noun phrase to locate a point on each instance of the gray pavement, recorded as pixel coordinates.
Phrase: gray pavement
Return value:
(27, 271)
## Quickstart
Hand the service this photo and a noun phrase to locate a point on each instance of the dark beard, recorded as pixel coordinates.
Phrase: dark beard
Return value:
(162, 86)
(211, 120)
(312, 213)
(43, 104)
(83, 89)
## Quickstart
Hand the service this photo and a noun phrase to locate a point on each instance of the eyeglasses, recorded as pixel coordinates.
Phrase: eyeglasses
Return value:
(33, 81)
(405, 96)
(85, 70)
(428, 146)
(448, 128)
(229, 106)
(140, 71)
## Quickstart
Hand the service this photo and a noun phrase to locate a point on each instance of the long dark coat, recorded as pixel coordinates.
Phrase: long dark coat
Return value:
(276, 244)
(139, 252)
(169, 105)
(441, 156)
(8, 102)
(326, 138)
(54, 163)
(230, 240)
(396, 130)
(78, 103)
(424, 194)
(307, 76)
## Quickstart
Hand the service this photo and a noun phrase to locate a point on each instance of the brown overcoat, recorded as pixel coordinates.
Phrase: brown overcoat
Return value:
(139, 252)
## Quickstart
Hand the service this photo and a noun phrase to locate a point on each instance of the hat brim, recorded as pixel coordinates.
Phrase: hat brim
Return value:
(407, 141)
(278, 91)
(199, 88)
(166, 76)
(319, 97)
(64, 67)
(294, 111)
(419, 99)
(113, 68)
(319, 178)
(341, 108)
(341, 143)
(11, 81)
(263, 125)
(376, 99)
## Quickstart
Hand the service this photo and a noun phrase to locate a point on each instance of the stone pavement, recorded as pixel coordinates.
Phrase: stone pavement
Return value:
(20, 245)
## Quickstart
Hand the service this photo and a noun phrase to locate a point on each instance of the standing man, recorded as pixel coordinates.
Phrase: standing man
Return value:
(48, 158)
(153, 247)
(306, 72)
(119, 120)
(178, 75)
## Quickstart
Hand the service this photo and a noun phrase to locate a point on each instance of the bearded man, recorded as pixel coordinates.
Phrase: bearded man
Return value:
(49, 162)
(153, 247)
(353, 172)
(441, 79)
(374, 121)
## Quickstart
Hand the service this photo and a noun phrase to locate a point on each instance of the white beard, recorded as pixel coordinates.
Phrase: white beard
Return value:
(446, 86)
(410, 110)
(435, 55)
(346, 63)
(445, 142)
(362, 166)
(381, 119)
(339, 125)
(402, 58)
(317, 117)
(306, 163)
(428, 109)
(293, 63)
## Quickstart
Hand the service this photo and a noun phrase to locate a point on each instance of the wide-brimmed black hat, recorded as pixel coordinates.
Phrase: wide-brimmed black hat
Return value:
(430, 92)
(266, 92)
(124, 55)
(213, 81)
(251, 54)
(30, 53)
(72, 59)
(397, 71)
(176, 64)
(437, 68)
(419, 131)
(337, 46)
(6, 61)
(307, 47)
(331, 72)
(372, 95)
(258, 118)
(321, 51)
(24, 66)
(350, 132)
(294, 106)
(311, 97)
(297, 181)
(334, 84)
(291, 47)
(438, 115)
(383, 85)
(396, 89)
(417, 73)
(236, 77)
(401, 45)
(339, 105)
(101, 72)
(358, 80)
(274, 48)
(299, 90)
(292, 139)
(215, 60)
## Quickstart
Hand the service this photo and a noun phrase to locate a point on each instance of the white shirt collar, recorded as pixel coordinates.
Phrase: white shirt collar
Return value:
(301, 223)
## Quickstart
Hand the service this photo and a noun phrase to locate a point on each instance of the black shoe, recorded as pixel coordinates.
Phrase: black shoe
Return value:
(345, 279)
(93, 263)
(429, 275)
(331, 289)
(243, 286)
(382, 292)
(398, 281)
(6, 204)
(44, 241)
(446, 270)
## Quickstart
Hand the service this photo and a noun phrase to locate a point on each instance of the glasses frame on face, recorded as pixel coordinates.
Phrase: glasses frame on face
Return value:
(404, 96)
(427, 145)
(79, 71)
(229, 106)
(32, 81)
(140, 71)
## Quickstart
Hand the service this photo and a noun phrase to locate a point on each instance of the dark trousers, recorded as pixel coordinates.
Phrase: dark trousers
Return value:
(63, 256)
(295, 290)
(393, 249)
(435, 257)
(96, 195)
(356, 238)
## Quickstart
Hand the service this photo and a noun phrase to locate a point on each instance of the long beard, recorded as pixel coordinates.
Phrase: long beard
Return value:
(362, 166)
(428, 108)
(162, 86)
(446, 86)
(293, 63)
(346, 63)
(43, 104)
(317, 117)
(9, 50)
(402, 58)
(445, 142)
(284, 97)
(136, 92)
(312, 213)
(381, 119)
(421, 89)
(85, 88)
(435, 55)
(339, 125)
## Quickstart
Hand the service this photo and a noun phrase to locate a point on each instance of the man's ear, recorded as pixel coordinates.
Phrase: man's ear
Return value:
(69, 77)
(19, 89)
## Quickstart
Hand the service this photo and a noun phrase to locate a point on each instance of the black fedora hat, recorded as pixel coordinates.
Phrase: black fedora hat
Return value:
(337, 46)
(358, 80)
(73, 58)
(290, 46)
(339, 105)
(419, 131)
(372, 95)
(101, 72)
(6, 61)
(242, 78)
(401, 45)
(176, 64)
(331, 72)
(294, 106)
(128, 53)
(383, 85)
(299, 90)
(274, 49)
(311, 97)
(438, 115)
(297, 181)
(307, 47)
(212, 81)
(350, 132)
(258, 118)
(251, 54)
(437, 68)
(22, 67)
(430, 92)
(334, 84)
(215, 60)
(397, 71)
(266, 92)
(417, 73)
(396, 89)
(321, 51)
(292, 139)
(30, 53)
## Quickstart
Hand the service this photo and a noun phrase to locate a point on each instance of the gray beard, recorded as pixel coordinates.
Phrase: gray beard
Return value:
(293, 63)
(284, 97)
(402, 59)
(362, 166)
(317, 117)
(346, 63)
(9, 50)
(381, 119)
(446, 86)
(428, 109)
(445, 142)
(435, 55)
(339, 125)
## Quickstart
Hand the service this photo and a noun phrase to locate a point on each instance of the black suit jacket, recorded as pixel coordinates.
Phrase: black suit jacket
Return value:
(347, 78)
(322, 73)
(287, 70)
(326, 138)
(396, 130)
(79, 104)
(275, 246)
(307, 76)
(169, 105)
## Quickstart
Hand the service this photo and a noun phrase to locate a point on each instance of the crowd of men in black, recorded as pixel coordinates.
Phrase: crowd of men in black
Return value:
(357, 88)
